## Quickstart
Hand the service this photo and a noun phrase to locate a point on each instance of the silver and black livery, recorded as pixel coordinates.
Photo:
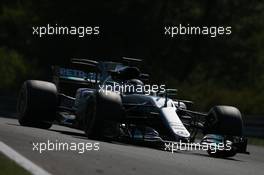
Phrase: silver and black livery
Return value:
(80, 97)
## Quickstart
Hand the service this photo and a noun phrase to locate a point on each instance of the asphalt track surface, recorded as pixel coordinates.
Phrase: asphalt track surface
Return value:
(117, 158)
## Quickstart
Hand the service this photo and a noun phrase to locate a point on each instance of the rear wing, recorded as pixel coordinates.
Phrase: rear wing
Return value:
(130, 61)
(84, 64)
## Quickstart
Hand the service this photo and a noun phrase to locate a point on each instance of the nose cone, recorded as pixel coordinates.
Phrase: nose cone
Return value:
(174, 123)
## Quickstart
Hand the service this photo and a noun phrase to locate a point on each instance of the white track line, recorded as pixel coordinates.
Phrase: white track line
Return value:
(21, 160)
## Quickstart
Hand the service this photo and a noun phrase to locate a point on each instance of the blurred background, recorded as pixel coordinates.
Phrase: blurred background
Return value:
(222, 70)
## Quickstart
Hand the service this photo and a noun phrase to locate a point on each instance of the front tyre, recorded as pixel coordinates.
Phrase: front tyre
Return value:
(225, 121)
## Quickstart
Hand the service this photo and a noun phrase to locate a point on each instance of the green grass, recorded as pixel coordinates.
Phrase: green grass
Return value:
(9, 167)
(256, 141)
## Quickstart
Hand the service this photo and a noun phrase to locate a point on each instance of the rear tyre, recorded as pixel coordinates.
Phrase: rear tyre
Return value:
(37, 103)
(227, 121)
(101, 107)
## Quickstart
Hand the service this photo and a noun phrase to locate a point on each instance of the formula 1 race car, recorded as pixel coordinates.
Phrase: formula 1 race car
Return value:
(111, 101)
